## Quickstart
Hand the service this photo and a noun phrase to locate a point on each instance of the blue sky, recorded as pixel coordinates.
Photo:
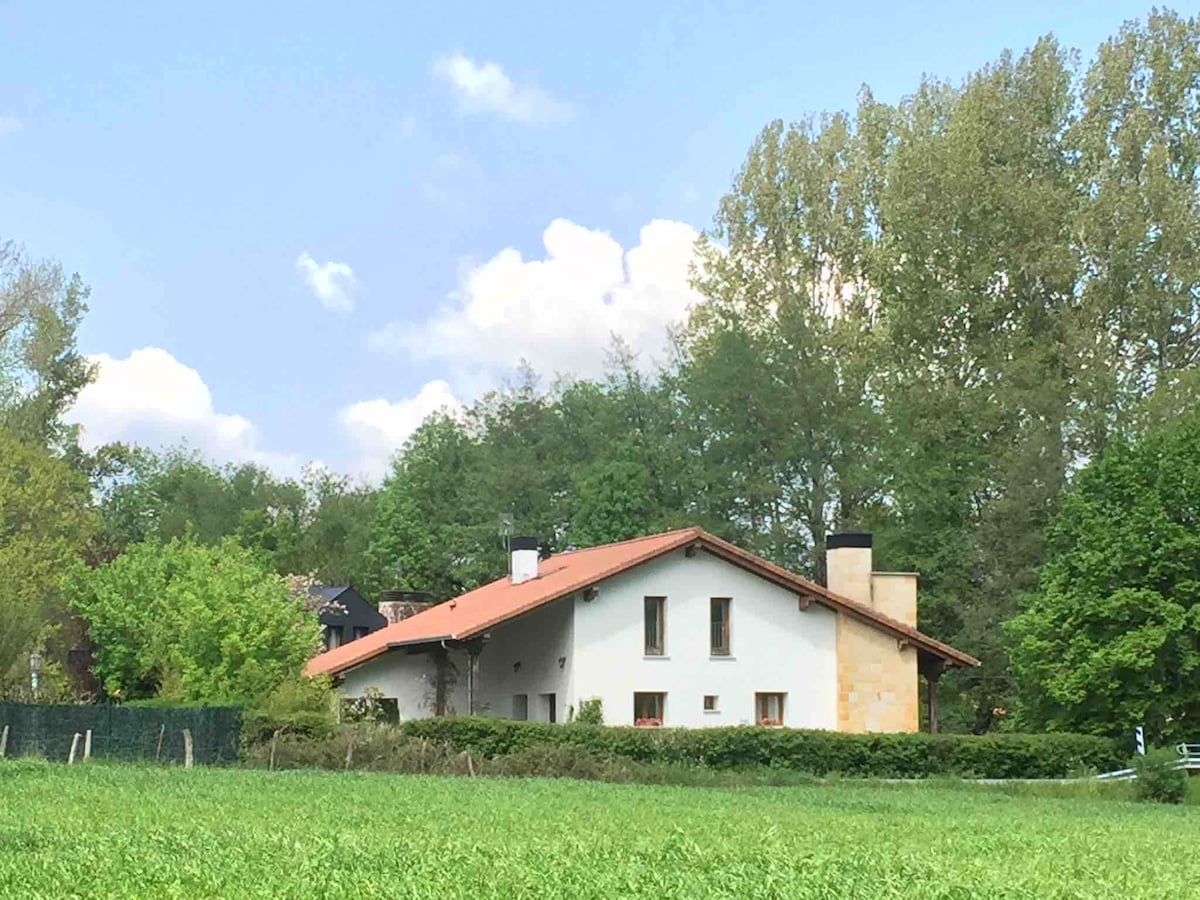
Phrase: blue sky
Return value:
(305, 226)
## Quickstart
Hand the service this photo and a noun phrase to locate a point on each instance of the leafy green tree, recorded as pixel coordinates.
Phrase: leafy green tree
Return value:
(612, 503)
(320, 525)
(46, 523)
(1112, 638)
(41, 371)
(190, 622)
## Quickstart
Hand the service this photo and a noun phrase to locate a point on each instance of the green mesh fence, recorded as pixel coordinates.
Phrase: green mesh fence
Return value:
(123, 732)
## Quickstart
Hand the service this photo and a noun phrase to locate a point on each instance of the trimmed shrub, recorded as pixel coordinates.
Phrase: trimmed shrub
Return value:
(591, 712)
(1158, 780)
(812, 752)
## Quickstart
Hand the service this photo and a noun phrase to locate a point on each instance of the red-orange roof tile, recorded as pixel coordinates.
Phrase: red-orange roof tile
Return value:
(566, 573)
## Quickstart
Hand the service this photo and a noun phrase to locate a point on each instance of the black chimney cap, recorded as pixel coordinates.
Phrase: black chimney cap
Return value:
(522, 543)
(860, 539)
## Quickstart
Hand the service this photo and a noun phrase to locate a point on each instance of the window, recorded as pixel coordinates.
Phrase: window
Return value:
(648, 709)
(768, 709)
(719, 626)
(656, 625)
(361, 631)
(710, 702)
(333, 637)
(520, 707)
(549, 707)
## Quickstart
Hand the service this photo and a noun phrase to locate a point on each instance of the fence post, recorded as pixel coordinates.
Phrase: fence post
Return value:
(74, 749)
(274, 738)
(1139, 741)
(3, 741)
(87, 744)
(187, 748)
(162, 729)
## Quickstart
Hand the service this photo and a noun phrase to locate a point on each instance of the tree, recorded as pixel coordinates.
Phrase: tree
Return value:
(612, 503)
(46, 522)
(41, 371)
(193, 623)
(319, 525)
(1112, 638)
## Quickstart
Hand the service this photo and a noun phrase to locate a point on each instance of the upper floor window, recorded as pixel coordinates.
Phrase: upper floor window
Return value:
(768, 709)
(656, 625)
(719, 626)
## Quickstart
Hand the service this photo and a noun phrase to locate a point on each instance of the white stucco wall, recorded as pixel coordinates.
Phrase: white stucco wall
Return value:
(775, 646)
(522, 657)
(410, 679)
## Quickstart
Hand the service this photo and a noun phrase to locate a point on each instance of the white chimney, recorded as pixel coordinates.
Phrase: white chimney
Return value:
(524, 565)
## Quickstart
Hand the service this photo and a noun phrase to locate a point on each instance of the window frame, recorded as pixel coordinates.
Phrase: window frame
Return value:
(660, 625)
(659, 701)
(716, 703)
(523, 707)
(761, 717)
(725, 605)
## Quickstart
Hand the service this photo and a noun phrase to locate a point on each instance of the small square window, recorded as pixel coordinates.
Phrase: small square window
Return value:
(710, 702)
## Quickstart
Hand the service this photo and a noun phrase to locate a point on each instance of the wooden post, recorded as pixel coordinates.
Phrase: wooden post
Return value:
(3, 741)
(932, 668)
(932, 682)
(87, 744)
(349, 753)
(187, 748)
(274, 738)
(74, 749)
(162, 729)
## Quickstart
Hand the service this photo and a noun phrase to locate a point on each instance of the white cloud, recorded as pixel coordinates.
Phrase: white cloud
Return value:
(331, 282)
(151, 398)
(559, 312)
(485, 88)
(379, 427)
(10, 126)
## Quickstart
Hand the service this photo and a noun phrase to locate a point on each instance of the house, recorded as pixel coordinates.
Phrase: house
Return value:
(677, 629)
(345, 615)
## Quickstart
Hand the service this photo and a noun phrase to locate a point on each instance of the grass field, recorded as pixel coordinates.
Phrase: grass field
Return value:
(126, 831)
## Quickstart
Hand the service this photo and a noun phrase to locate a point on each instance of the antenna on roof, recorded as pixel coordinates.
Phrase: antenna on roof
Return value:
(506, 532)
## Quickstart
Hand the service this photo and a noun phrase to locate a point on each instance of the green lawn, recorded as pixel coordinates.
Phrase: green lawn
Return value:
(125, 831)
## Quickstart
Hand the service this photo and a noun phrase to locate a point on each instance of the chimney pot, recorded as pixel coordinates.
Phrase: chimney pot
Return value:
(524, 559)
(398, 605)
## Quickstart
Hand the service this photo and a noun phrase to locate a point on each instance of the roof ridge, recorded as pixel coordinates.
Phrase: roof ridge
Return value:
(645, 537)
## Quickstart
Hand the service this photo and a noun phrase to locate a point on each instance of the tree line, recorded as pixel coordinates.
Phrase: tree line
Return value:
(930, 319)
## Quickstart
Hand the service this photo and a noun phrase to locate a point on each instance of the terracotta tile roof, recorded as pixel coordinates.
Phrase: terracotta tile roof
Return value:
(566, 573)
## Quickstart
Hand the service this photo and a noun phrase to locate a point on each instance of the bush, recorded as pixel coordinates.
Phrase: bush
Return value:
(812, 752)
(1158, 780)
(591, 712)
(299, 706)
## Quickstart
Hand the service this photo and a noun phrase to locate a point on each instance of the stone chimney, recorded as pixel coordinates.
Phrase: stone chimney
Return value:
(524, 555)
(849, 565)
(398, 605)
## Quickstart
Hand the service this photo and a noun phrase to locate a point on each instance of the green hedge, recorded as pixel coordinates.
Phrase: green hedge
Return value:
(815, 752)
